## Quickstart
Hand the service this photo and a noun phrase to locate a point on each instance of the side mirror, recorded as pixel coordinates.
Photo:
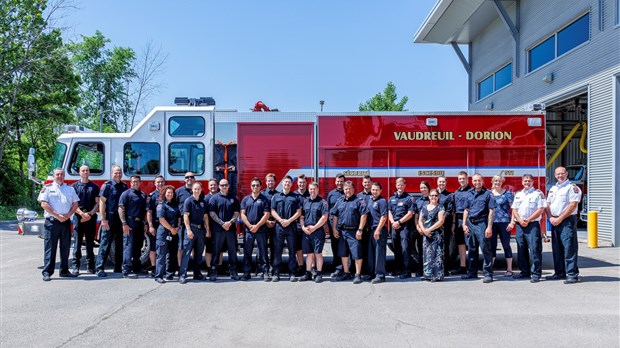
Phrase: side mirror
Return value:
(32, 164)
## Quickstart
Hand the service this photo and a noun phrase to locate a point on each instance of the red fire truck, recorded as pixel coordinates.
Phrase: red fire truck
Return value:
(172, 140)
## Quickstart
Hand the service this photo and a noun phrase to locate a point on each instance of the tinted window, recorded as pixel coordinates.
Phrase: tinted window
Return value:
(503, 77)
(59, 156)
(542, 54)
(141, 158)
(574, 35)
(90, 154)
(485, 87)
(186, 157)
(183, 126)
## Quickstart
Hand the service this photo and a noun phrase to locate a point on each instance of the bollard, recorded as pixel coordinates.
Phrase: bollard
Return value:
(592, 229)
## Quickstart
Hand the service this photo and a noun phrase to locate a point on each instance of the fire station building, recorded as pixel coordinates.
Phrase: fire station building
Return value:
(556, 55)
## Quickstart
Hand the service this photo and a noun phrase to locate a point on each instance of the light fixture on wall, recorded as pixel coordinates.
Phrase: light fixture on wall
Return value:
(548, 78)
(489, 106)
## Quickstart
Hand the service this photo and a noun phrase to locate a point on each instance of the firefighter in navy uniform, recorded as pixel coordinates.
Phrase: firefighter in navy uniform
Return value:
(350, 218)
(332, 197)
(213, 188)
(377, 220)
(269, 192)
(478, 229)
(132, 213)
(314, 216)
(196, 220)
(366, 195)
(182, 193)
(304, 193)
(151, 217)
(255, 211)
(169, 217)
(401, 210)
(286, 209)
(85, 220)
(446, 200)
(562, 201)
(224, 211)
(111, 226)
(460, 197)
(59, 201)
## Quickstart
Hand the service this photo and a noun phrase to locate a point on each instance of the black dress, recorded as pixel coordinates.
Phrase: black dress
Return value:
(433, 245)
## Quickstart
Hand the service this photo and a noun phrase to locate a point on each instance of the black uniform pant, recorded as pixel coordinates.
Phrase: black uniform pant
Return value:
(162, 252)
(84, 230)
(401, 239)
(417, 252)
(172, 256)
(223, 238)
(449, 244)
(112, 235)
(248, 245)
(271, 246)
(376, 253)
(55, 231)
(285, 234)
(197, 245)
(132, 247)
(529, 249)
(337, 262)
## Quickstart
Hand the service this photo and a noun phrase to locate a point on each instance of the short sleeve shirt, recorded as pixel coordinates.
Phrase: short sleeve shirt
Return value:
(503, 211)
(255, 208)
(59, 197)
(314, 209)
(88, 193)
(479, 203)
(528, 202)
(112, 191)
(401, 204)
(561, 195)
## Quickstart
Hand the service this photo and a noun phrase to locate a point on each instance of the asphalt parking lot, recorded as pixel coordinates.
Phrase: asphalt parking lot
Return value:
(110, 312)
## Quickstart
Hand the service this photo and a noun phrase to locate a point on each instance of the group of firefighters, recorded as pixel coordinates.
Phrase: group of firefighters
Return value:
(431, 235)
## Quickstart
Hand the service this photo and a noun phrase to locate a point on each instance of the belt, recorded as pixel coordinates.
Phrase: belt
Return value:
(52, 219)
(477, 220)
(347, 227)
(197, 225)
(135, 218)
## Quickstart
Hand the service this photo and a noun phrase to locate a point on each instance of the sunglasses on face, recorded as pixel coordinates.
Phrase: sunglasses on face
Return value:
(189, 177)
(223, 185)
(434, 195)
(254, 185)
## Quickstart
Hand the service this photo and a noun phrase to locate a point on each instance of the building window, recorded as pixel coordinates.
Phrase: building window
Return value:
(561, 42)
(183, 126)
(186, 157)
(141, 159)
(90, 154)
(496, 81)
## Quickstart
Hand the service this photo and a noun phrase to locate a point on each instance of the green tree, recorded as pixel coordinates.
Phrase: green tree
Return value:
(38, 89)
(385, 101)
(105, 74)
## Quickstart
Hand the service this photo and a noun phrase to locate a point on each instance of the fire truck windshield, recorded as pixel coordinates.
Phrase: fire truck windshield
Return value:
(59, 154)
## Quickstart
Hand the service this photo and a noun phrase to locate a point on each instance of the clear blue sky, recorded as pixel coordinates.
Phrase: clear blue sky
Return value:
(289, 54)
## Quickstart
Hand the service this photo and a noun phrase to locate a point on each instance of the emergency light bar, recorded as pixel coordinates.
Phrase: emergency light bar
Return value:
(202, 101)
